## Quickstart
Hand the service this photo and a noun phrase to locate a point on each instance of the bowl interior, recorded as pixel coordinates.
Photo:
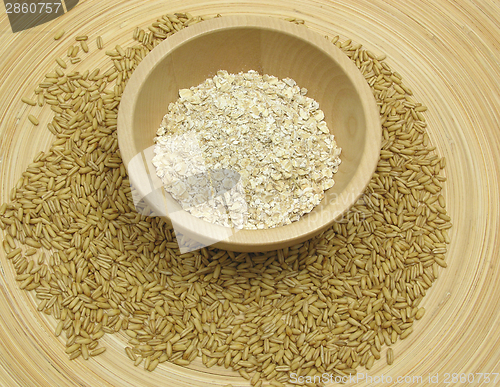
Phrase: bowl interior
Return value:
(270, 47)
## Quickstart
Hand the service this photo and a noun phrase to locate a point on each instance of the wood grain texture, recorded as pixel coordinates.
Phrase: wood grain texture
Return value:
(446, 51)
(271, 46)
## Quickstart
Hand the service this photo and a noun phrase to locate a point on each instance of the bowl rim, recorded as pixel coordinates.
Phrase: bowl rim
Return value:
(281, 236)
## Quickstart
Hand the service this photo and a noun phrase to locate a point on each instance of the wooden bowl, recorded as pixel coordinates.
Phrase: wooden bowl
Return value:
(270, 46)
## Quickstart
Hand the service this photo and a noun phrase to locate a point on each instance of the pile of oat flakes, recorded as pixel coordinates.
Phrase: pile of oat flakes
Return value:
(250, 143)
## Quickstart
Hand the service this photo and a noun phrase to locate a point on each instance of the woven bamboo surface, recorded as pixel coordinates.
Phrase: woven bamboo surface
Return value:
(448, 52)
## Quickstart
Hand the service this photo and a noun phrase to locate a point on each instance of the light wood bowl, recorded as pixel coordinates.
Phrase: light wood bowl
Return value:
(269, 46)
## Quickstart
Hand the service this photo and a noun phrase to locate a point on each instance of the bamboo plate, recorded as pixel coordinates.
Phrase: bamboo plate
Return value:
(446, 51)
